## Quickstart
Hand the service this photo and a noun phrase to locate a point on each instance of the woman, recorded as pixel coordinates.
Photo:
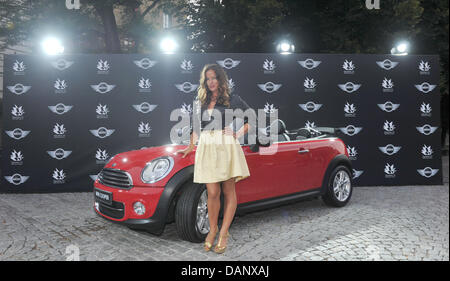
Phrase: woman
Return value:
(219, 156)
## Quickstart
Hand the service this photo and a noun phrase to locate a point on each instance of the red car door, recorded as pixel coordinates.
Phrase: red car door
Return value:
(274, 171)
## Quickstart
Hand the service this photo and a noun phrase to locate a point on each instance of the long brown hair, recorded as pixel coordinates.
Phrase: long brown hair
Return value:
(204, 94)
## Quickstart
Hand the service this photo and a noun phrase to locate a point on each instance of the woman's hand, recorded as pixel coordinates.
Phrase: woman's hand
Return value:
(229, 132)
(185, 151)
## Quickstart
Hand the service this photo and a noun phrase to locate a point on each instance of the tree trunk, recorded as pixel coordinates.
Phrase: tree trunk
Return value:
(105, 11)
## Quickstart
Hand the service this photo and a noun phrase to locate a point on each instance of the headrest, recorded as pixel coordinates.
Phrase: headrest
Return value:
(281, 126)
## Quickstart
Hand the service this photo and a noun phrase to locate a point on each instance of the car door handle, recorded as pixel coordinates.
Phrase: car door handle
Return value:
(301, 151)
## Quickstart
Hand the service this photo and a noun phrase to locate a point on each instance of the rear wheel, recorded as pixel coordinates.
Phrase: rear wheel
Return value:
(191, 213)
(339, 187)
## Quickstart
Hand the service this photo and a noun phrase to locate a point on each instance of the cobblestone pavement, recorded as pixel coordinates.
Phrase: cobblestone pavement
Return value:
(379, 223)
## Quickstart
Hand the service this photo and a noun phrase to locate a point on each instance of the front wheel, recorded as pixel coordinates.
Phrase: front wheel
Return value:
(191, 213)
(339, 187)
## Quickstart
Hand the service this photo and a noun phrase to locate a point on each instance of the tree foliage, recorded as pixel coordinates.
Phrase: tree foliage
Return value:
(234, 25)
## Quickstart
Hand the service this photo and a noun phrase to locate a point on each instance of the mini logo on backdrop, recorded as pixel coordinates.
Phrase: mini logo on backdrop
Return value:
(310, 125)
(101, 156)
(426, 129)
(19, 68)
(352, 153)
(144, 85)
(310, 85)
(144, 130)
(388, 85)
(425, 110)
(187, 87)
(59, 153)
(309, 63)
(269, 87)
(389, 171)
(60, 86)
(18, 89)
(389, 149)
(425, 87)
(60, 108)
(269, 108)
(351, 130)
(349, 67)
(388, 106)
(350, 110)
(228, 63)
(102, 87)
(427, 152)
(186, 66)
(357, 173)
(17, 113)
(186, 108)
(387, 64)
(389, 128)
(424, 68)
(16, 158)
(310, 106)
(102, 132)
(102, 111)
(17, 179)
(103, 67)
(269, 67)
(427, 172)
(144, 107)
(17, 133)
(349, 87)
(59, 176)
(231, 85)
(59, 131)
(145, 63)
(61, 64)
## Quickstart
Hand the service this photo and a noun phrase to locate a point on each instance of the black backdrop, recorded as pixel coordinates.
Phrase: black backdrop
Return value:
(357, 93)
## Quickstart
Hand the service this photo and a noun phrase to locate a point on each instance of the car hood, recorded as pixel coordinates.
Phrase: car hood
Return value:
(134, 161)
(130, 159)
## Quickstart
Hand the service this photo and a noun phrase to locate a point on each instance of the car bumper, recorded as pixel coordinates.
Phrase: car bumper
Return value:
(121, 210)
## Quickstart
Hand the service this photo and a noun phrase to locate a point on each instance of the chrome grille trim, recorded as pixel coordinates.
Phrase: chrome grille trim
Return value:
(115, 178)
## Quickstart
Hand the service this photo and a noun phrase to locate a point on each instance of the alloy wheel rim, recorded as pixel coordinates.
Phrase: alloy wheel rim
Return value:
(341, 186)
(202, 222)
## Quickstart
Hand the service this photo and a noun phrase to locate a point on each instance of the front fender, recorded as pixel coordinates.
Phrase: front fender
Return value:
(340, 159)
(171, 189)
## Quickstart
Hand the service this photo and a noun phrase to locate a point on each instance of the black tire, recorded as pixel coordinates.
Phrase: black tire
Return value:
(186, 213)
(341, 199)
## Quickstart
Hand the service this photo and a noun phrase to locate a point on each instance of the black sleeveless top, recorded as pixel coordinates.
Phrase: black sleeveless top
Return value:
(208, 121)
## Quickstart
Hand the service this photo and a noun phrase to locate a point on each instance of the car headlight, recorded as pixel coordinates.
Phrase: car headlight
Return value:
(157, 169)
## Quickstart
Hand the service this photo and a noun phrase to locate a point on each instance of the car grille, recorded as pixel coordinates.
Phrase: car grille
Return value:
(115, 178)
(116, 211)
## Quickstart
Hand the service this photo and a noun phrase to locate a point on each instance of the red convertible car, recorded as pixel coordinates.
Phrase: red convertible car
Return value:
(148, 188)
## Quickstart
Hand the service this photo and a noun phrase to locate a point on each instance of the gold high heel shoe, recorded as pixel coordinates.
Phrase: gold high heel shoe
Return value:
(219, 248)
(208, 245)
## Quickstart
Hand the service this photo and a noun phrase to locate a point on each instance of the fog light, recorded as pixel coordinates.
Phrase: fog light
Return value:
(139, 208)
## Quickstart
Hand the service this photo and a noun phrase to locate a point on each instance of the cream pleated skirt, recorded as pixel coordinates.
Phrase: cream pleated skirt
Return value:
(219, 157)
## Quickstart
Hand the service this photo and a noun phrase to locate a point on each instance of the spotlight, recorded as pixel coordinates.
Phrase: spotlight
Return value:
(52, 46)
(401, 49)
(285, 48)
(168, 46)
